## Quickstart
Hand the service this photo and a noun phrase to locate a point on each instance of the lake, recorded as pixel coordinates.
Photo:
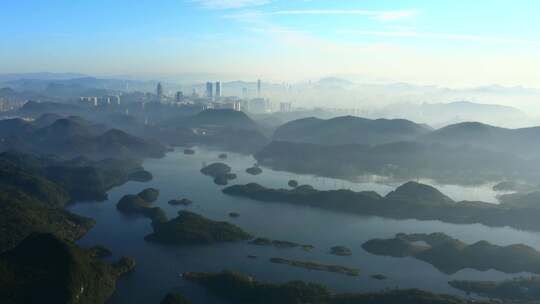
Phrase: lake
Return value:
(177, 176)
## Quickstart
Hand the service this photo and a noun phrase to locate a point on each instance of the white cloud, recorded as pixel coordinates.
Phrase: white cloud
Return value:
(229, 4)
(378, 15)
(442, 36)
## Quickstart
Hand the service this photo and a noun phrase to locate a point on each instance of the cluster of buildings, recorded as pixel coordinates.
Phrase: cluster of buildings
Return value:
(9, 105)
(214, 98)
(100, 100)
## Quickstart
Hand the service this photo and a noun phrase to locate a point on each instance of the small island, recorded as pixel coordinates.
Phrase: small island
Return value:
(255, 170)
(140, 176)
(519, 289)
(220, 172)
(189, 228)
(149, 195)
(247, 290)
(450, 255)
(136, 205)
(341, 251)
(222, 156)
(317, 266)
(378, 277)
(223, 180)
(234, 214)
(292, 183)
(189, 151)
(180, 202)
(278, 244)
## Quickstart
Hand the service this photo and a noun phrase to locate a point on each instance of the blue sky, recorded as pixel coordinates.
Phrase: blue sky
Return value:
(460, 42)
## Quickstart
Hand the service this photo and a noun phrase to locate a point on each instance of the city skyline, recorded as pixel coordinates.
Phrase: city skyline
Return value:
(447, 43)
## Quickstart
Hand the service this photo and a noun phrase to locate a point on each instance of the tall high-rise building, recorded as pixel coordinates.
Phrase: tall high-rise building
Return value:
(218, 89)
(209, 90)
(244, 93)
(179, 96)
(159, 92)
(259, 88)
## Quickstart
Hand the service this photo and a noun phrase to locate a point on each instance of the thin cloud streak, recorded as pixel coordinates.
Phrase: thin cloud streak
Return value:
(378, 15)
(229, 4)
(443, 36)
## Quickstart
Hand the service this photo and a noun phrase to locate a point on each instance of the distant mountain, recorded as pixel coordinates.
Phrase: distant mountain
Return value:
(35, 109)
(221, 118)
(73, 137)
(349, 130)
(398, 161)
(524, 141)
(40, 76)
(232, 130)
(439, 114)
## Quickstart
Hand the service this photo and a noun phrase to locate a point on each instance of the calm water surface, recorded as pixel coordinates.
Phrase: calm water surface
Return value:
(177, 176)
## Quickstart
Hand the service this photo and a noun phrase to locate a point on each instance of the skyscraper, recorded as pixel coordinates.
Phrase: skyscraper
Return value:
(209, 90)
(218, 89)
(244, 93)
(159, 92)
(259, 88)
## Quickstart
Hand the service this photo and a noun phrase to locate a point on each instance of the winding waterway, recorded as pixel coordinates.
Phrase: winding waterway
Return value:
(177, 176)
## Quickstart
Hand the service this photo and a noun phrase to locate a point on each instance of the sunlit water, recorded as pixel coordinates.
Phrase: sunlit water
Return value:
(177, 175)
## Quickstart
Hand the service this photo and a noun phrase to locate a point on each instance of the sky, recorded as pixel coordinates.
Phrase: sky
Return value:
(440, 42)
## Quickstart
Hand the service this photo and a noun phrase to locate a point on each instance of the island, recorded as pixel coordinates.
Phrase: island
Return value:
(341, 251)
(248, 290)
(255, 170)
(175, 298)
(223, 180)
(411, 200)
(260, 241)
(189, 228)
(234, 214)
(140, 176)
(189, 151)
(149, 195)
(292, 183)
(136, 205)
(317, 266)
(180, 202)
(379, 277)
(222, 156)
(220, 172)
(450, 255)
(43, 267)
(522, 289)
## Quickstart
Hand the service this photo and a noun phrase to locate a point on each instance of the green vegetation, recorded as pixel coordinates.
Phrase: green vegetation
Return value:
(220, 172)
(341, 251)
(292, 183)
(149, 195)
(278, 244)
(451, 255)
(175, 298)
(180, 202)
(189, 151)
(242, 289)
(317, 266)
(22, 215)
(255, 170)
(45, 268)
(409, 201)
(518, 289)
(138, 205)
(189, 228)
